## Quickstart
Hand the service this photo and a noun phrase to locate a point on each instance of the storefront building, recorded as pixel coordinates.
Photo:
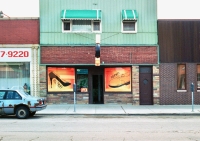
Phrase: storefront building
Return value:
(179, 61)
(19, 43)
(109, 50)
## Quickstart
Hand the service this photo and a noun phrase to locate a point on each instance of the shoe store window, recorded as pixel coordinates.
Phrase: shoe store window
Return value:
(198, 78)
(88, 21)
(118, 79)
(15, 75)
(129, 21)
(60, 79)
(181, 77)
(82, 80)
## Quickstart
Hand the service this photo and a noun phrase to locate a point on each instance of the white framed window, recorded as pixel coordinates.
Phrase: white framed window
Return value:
(87, 26)
(129, 26)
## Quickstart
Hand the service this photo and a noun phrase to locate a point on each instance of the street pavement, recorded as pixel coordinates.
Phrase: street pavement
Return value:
(119, 109)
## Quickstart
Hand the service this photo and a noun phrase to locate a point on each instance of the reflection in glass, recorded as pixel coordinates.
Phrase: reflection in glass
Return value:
(181, 77)
(198, 77)
(15, 75)
(82, 80)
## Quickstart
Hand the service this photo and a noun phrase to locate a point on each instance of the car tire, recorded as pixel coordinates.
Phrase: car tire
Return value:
(22, 112)
(32, 114)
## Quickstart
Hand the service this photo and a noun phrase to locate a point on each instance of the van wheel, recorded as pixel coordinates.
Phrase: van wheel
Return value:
(22, 112)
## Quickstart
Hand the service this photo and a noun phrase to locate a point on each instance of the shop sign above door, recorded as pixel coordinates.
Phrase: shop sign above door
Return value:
(15, 54)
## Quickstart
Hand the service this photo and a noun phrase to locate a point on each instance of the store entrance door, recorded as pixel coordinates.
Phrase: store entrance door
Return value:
(97, 89)
(96, 95)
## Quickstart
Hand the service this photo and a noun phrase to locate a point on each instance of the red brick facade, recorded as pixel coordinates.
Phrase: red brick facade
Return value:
(19, 31)
(110, 55)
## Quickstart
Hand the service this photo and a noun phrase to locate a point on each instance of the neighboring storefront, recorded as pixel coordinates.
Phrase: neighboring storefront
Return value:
(19, 46)
(179, 61)
(15, 67)
(128, 70)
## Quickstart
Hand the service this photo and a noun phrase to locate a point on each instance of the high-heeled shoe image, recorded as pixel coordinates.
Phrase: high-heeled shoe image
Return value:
(118, 80)
(53, 75)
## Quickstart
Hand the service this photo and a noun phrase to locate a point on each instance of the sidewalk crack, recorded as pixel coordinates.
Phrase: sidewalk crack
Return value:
(123, 109)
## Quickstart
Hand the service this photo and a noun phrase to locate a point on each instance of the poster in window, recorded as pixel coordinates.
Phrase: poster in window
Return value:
(60, 79)
(118, 79)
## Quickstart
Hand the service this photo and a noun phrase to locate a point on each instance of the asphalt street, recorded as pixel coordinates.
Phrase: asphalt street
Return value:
(100, 128)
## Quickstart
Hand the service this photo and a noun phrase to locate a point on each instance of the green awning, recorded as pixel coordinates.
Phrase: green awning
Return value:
(129, 15)
(81, 15)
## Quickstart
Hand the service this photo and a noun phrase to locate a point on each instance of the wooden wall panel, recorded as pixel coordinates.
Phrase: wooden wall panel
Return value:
(179, 41)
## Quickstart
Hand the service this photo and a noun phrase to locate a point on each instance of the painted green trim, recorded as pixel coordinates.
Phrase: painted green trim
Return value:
(97, 66)
(79, 45)
(158, 52)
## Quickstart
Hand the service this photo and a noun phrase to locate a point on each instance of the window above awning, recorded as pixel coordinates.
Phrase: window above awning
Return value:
(81, 15)
(129, 15)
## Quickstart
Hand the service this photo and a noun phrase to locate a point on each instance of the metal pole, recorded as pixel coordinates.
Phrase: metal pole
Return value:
(74, 89)
(74, 101)
(192, 90)
(192, 101)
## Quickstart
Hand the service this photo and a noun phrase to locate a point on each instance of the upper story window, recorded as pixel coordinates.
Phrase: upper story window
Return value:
(81, 26)
(81, 20)
(129, 21)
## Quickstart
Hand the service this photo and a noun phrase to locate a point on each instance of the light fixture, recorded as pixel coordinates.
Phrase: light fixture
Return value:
(2, 14)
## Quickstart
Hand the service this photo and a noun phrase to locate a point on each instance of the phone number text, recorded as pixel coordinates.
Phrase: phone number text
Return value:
(14, 54)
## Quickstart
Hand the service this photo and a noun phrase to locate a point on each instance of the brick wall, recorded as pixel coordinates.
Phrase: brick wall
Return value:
(135, 85)
(68, 98)
(118, 98)
(19, 31)
(168, 85)
(85, 55)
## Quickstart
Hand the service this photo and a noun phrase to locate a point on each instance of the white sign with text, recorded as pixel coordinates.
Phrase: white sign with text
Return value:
(15, 54)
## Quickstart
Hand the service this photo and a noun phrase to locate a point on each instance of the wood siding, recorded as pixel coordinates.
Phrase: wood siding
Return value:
(51, 24)
(179, 41)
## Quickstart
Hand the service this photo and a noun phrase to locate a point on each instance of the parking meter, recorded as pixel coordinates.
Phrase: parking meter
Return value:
(192, 87)
(74, 87)
(192, 90)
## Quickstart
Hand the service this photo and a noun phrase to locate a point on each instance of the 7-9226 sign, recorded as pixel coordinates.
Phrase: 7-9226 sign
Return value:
(15, 54)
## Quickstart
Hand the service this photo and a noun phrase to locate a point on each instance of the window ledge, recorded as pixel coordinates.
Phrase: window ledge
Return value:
(181, 90)
(198, 90)
(81, 32)
(129, 31)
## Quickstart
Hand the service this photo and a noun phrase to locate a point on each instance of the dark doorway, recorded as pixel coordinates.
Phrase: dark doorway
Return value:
(97, 89)
(146, 85)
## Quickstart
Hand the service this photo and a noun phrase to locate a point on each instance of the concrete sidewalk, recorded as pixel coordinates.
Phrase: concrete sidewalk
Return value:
(117, 109)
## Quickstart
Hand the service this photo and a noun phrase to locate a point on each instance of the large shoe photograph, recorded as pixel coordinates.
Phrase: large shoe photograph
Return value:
(52, 76)
(118, 80)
